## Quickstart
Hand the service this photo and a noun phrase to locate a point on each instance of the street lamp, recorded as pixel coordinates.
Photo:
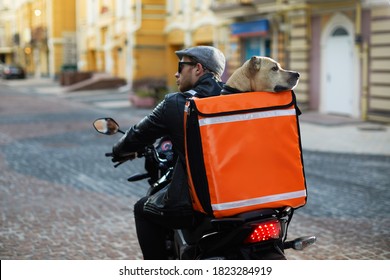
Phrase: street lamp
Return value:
(37, 12)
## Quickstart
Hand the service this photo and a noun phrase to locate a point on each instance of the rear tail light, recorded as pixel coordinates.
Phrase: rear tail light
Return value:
(264, 231)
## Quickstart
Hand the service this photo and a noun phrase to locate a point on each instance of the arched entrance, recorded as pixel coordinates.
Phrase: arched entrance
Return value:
(339, 79)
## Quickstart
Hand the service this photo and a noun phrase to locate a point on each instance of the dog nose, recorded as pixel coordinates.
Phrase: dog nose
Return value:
(297, 74)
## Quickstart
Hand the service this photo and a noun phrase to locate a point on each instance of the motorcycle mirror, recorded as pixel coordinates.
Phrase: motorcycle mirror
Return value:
(106, 126)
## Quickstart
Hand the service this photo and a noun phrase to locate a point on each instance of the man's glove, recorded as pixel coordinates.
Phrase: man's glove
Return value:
(127, 146)
(123, 150)
(123, 158)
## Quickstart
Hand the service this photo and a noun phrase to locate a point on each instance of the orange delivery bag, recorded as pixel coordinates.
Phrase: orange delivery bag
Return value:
(243, 153)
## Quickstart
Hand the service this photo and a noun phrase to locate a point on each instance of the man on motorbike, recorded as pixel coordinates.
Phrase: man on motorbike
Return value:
(199, 74)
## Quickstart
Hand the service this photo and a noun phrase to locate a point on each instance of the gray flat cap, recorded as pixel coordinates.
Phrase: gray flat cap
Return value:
(210, 57)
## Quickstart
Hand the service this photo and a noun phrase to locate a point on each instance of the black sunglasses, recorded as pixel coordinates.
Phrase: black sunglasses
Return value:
(181, 63)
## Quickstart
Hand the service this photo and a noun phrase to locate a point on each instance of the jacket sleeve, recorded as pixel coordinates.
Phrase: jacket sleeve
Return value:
(142, 134)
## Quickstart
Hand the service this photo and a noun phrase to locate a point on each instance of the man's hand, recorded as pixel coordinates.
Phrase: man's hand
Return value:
(123, 158)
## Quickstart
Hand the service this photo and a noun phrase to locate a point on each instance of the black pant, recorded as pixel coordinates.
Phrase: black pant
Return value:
(152, 231)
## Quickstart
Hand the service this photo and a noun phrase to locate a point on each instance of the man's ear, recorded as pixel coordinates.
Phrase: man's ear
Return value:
(199, 68)
(254, 64)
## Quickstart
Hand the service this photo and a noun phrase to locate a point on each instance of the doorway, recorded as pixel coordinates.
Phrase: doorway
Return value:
(340, 84)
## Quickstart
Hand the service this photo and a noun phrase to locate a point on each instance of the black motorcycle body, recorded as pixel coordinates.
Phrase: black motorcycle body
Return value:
(259, 234)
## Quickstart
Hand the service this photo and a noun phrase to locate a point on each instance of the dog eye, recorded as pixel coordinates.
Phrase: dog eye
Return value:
(275, 68)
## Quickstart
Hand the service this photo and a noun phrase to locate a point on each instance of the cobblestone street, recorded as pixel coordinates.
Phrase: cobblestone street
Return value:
(73, 215)
(60, 198)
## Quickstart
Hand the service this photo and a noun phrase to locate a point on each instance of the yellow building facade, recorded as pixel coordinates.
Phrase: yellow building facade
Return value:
(188, 23)
(40, 34)
(123, 37)
(7, 30)
(136, 39)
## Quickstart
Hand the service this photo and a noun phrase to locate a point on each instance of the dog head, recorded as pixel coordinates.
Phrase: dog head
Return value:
(262, 74)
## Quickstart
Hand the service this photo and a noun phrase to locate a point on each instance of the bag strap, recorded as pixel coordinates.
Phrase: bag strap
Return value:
(299, 112)
(194, 198)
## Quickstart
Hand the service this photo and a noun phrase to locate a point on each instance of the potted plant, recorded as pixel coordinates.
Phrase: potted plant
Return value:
(147, 92)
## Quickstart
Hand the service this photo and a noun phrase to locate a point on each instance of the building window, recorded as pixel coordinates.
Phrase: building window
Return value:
(256, 46)
(340, 31)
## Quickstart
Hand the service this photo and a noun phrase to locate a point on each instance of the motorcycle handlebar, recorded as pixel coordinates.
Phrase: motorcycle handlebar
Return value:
(122, 159)
(148, 151)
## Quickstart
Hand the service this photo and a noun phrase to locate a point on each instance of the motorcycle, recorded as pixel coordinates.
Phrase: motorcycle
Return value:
(260, 234)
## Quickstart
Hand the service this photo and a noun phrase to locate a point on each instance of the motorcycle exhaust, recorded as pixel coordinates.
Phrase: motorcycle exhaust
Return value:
(300, 243)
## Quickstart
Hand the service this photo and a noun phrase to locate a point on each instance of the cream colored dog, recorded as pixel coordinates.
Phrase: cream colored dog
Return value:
(262, 74)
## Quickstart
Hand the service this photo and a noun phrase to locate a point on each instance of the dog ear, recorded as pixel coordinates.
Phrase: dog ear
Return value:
(254, 64)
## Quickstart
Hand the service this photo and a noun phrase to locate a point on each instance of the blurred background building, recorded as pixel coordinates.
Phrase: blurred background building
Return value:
(35, 34)
(341, 48)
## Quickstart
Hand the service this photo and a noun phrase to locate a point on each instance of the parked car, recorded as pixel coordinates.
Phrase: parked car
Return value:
(13, 71)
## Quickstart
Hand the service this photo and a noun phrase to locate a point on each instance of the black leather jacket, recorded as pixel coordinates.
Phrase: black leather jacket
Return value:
(166, 120)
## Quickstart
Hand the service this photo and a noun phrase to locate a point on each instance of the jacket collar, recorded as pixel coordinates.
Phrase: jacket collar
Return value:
(229, 90)
(207, 85)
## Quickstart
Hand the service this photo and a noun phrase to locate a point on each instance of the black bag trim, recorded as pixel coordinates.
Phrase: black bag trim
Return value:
(195, 158)
(251, 110)
(298, 113)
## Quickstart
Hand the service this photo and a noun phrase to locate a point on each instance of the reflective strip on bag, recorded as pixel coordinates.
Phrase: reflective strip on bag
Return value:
(258, 200)
(247, 116)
